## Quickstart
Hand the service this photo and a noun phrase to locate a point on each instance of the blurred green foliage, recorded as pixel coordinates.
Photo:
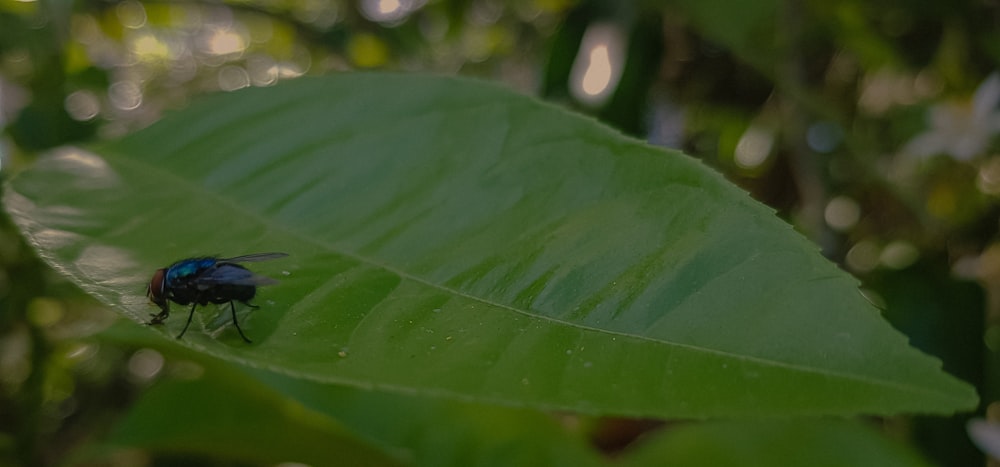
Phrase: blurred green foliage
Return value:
(871, 126)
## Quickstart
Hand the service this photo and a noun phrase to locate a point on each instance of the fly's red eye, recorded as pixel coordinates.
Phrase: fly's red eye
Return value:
(155, 289)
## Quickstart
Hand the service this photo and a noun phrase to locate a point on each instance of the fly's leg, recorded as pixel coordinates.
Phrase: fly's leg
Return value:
(232, 308)
(188, 323)
(160, 317)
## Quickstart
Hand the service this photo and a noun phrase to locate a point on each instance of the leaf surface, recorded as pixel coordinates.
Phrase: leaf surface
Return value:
(802, 442)
(201, 405)
(453, 238)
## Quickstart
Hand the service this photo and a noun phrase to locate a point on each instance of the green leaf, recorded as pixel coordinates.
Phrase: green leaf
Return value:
(228, 413)
(813, 443)
(444, 433)
(452, 238)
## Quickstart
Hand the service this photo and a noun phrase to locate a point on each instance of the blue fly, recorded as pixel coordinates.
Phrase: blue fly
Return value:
(200, 281)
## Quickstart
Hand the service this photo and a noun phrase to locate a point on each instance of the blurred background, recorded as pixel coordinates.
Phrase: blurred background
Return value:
(870, 125)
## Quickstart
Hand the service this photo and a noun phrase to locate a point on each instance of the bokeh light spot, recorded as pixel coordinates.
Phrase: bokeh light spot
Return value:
(226, 42)
(125, 95)
(598, 75)
(754, 147)
(388, 12)
(899, 255)
(842, 213)
(598, 65)
(45, 312)
(388, 7)
(824, 137)
(144, 365)
(367, 51)
(149, 48)
(863, 256)
(82, 105)
(131, 14)
(232, 78)
(988, 179)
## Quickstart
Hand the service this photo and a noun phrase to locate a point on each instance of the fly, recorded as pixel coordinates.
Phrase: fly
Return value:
(200, 281)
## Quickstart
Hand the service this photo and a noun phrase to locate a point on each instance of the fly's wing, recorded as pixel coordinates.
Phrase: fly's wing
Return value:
(254, 257)
(232, 274)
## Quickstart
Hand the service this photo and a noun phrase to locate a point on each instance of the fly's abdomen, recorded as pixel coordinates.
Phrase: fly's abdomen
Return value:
(227, 292)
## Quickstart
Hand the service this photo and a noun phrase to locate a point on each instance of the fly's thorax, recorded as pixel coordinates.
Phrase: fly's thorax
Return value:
(188, 268)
